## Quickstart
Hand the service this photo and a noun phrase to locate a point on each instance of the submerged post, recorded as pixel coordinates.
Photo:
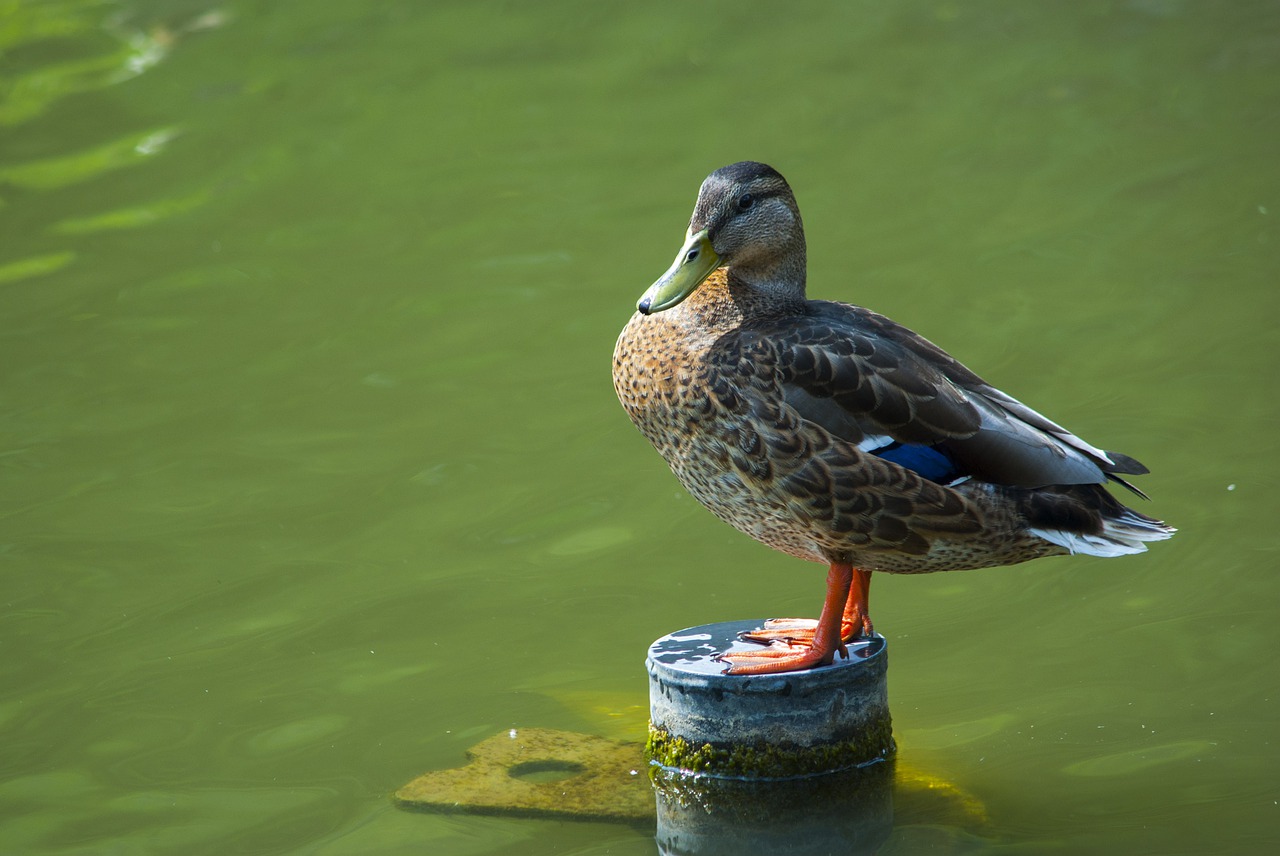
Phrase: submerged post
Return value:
(792, 724)
(768, 763)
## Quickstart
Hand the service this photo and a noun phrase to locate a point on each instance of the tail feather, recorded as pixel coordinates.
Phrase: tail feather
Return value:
(1087, 519)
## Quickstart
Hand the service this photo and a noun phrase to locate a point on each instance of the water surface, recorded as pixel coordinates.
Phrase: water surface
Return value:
(312, 472)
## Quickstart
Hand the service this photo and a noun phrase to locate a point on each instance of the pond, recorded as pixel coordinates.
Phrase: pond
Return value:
(313, 474)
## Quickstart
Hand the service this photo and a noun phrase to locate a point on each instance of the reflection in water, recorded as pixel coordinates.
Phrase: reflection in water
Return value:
(849, 812)
(116, 53)
(60, 171)
(30, 93)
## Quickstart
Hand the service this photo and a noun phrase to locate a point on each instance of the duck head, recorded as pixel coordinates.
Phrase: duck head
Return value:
(746, 219)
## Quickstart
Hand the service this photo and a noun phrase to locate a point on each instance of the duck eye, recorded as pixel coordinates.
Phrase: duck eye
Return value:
(745, 201)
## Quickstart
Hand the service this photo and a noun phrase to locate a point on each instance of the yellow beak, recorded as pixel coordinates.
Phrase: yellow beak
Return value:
(694, 263)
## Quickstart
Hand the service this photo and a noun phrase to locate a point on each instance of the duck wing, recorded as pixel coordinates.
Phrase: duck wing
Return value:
(873, 382)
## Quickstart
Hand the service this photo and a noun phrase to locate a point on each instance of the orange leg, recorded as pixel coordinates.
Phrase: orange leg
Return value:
(845, 603)
(855, 622)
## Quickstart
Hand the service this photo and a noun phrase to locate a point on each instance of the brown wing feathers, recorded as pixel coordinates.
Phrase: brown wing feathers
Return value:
(860, 375)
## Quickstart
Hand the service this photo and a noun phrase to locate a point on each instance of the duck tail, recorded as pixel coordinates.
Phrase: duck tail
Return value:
(1120, 463)
(1087, 519)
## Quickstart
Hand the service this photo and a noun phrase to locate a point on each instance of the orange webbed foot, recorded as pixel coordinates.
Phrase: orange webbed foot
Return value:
(792, 644)
(789, 630)
(801, 630)
(775, 658)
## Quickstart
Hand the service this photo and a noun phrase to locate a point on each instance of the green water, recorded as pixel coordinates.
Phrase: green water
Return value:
(313, 477)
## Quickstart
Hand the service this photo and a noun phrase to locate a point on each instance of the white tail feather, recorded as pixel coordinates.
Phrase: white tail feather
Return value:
(1120, 536)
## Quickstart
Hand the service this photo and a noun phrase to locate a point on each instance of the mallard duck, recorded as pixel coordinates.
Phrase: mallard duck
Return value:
(833, 434)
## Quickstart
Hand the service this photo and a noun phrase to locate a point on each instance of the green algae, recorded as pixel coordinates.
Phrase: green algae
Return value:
(540, 772)
(763, 760)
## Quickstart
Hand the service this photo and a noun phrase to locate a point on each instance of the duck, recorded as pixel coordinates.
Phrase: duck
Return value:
(835, 435)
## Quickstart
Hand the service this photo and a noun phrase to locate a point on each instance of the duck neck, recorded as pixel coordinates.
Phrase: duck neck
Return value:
(773, 287)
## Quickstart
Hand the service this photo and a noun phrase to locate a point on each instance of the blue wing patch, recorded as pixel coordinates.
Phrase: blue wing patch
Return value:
(929, 462)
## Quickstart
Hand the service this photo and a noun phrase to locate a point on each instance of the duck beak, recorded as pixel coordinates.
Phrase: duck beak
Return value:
(694, 263)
